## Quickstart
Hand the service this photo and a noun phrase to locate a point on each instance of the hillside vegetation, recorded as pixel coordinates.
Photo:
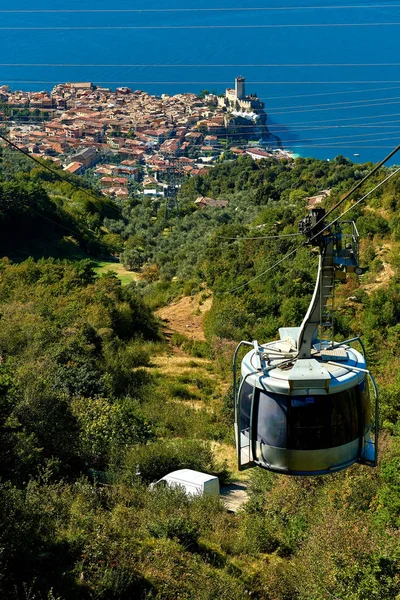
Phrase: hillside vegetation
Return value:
(41, 215)
(95, 404)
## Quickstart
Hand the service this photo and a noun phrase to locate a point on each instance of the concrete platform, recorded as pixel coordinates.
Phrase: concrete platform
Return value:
(234, 495)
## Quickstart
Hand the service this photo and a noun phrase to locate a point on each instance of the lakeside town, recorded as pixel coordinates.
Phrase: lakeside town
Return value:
(129, 140)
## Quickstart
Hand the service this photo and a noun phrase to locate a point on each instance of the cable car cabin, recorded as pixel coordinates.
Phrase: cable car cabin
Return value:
(303, 416)
(303, 405)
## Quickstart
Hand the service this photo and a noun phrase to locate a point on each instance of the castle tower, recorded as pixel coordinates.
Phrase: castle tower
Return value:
(240, 88)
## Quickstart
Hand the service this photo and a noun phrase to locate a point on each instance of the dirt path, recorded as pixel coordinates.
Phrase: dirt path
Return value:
(186, 316)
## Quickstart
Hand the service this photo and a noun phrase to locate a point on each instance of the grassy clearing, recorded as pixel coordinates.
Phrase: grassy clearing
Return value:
(104, 266)
(188, 403)
(185, 316)
(175, 364)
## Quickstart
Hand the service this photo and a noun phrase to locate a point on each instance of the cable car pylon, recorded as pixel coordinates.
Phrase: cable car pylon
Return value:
(302, 406)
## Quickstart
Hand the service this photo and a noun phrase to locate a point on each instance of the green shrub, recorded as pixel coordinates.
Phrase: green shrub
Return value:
(376, 265)
(256, 535)
(178, 390)
(176, 527)
(371, 224)
(193, 347)
(190, 288)
(156, 459)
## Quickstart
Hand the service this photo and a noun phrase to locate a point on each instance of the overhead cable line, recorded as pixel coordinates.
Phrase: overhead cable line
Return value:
(263, 237)
(360, 103)
(277, 127)
(42, 216)
(292, 147)
(380, 89)
(283, 128)
(315, 121)
(263, 273)
(176, 27)
(199, 65)
(307, 123)
(54, 172)
(316, 140)
(355, 204)
(269, 82)
(278, 112)
(339, 120)
(381, 124)
(325, 228)
(312, 139)
(355, 104)
(292, 252)
(360, 183)
(339, 138)
(274, 127)
(347, 144)
(306, 142)
(346, 102)
(191, 10)
(336, 147)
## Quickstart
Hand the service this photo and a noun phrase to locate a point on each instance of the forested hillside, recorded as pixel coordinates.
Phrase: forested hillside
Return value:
(95, 403)
(42, 215)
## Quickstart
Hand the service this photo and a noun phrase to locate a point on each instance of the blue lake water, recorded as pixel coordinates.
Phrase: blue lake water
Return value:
(288, 55)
